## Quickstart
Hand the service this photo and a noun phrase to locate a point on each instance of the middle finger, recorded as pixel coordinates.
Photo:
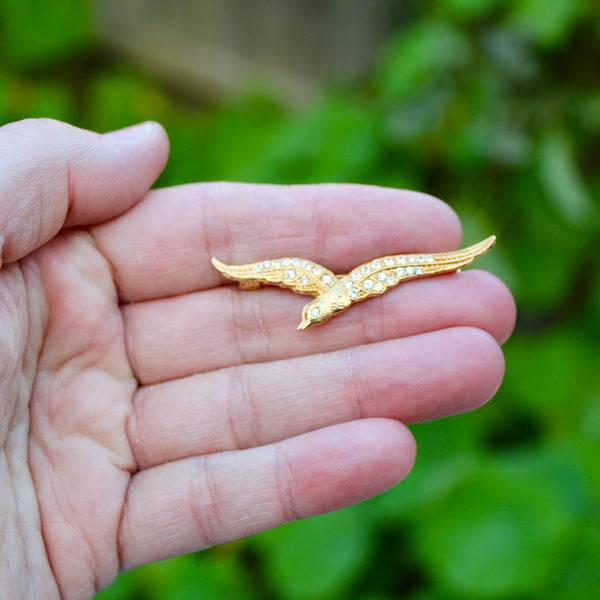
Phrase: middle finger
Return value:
(412, 379)
(224, 327)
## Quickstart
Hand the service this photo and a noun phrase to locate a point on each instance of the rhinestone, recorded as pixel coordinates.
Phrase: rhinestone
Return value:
(291, 274)
(419, 270)
(315, 311)
(367, 284)
(355, 275)
(307, 266)
(400, 272)
(411, 259)
(266, 264)
(275, 263)
(409, 270)
(258, 267)
(318, 271)
(366, 270)
(377, 264)
(379, 287)
(326, 279)
(419, 259)
(295, 262)
(286, 262)
(353, 293)
(429, 259)
(389, 261)
(381, 276)
(305, 280)
(391, 280)
(400, 260)
(348, 283)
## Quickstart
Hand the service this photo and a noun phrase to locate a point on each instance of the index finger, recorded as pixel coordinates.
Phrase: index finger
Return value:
(163, 245)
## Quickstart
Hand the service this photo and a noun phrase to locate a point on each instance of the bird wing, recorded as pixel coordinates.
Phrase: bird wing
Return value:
(298, 274)
(380, 274)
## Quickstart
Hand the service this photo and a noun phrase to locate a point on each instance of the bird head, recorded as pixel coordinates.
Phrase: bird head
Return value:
(323, 308)
(313, 313)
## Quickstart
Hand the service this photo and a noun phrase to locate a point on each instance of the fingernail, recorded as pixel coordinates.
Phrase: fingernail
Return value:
(134, 132)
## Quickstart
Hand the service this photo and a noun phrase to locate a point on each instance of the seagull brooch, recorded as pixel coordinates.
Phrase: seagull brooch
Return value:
(335, 293)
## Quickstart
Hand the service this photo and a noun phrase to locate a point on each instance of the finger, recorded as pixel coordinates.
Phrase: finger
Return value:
(53, 175)
(202, 501)
(226, 327)
(164, 246)
(414, 379)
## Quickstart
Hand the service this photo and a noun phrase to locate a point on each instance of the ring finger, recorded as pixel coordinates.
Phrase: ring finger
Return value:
(412, 379)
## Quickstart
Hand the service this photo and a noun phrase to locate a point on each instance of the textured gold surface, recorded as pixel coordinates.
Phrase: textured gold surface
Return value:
(335, 293)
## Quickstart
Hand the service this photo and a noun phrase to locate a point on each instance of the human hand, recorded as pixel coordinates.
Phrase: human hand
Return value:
(147, 409)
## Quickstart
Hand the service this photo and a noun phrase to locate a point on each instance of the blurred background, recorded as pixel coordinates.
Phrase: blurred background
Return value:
(491, 105)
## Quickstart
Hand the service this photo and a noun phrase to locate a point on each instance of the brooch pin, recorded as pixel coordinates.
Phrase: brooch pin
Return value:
(335, 293)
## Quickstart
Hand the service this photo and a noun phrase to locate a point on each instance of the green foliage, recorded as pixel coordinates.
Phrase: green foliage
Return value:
(562, 181)
(317, 558)
(214, 576)
(419, 58)
(478, 540)
(35, 33)
(494, 107)
(548, 23)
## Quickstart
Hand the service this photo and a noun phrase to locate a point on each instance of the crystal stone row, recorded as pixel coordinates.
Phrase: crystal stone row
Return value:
(379, 278)
(391, 261)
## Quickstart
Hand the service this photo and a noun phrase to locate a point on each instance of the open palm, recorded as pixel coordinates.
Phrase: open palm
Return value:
(148, 409)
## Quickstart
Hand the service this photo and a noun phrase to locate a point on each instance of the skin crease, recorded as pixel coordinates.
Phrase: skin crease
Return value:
(148, 408)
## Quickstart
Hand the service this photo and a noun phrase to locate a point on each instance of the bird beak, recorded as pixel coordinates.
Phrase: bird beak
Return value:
(305, 323)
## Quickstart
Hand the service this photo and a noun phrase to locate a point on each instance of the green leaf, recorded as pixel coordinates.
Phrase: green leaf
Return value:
(547, 23)
(550, 256)
(216, 574)
(510, 54)
(447, 453)
(429, 481)
(580, 577)
(588, 110)
(317, 558)
(497, 534)
(543, 369)
(492, 138)
(560, 177)
(126, 586)
(466, 10)
(412, 120)
(418, 55)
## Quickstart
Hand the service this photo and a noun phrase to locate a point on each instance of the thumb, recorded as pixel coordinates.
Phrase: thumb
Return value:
(53, 175)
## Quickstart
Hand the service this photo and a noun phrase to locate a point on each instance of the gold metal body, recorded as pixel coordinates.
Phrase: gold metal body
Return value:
(335, 293)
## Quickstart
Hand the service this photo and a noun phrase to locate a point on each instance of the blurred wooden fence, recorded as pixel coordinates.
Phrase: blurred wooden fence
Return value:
(214, 46)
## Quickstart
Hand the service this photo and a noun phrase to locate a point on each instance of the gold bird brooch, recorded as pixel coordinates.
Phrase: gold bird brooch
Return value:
(335, 293)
